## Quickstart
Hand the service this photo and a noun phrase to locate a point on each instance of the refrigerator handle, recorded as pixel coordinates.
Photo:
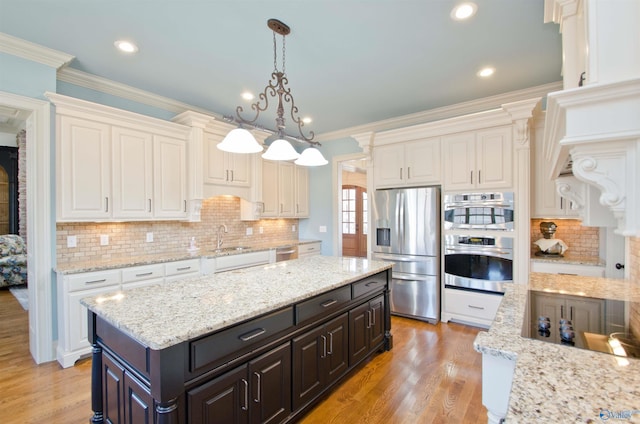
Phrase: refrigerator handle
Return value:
(401, 220)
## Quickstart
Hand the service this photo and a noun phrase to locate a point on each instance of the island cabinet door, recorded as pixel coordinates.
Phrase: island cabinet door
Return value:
(366, 329)
(224, 400)
(320, 357)
(125, 399)
(270, 384)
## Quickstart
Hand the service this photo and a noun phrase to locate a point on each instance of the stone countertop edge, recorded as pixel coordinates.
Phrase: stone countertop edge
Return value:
(556, 383)
(570, 259)
(160, 316)
(100, 265)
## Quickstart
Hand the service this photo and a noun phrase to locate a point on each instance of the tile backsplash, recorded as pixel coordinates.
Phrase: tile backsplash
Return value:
(581, 240)
(129, 238)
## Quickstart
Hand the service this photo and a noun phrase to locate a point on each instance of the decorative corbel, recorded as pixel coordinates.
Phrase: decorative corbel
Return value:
(365, 141)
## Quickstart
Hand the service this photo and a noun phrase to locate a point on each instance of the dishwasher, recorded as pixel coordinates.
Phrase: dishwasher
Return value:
(286, 253)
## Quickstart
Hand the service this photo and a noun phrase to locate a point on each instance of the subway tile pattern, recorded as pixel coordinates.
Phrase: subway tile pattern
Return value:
(129, 238)
(582, 241)
(556, 383)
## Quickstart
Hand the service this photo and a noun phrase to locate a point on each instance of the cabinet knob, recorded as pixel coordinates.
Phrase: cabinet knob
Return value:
(619, 266)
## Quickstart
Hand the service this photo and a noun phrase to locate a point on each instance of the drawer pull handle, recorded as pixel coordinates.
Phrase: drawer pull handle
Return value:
(96, 281)
(329, 303)
(476, 307)
(324, 344)
(258, 387)
(144, 274)
(372, 283)
(246, 395)
(252, 334)
(184, 268)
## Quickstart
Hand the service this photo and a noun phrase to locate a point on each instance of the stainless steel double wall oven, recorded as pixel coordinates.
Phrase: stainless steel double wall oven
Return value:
(478, 244)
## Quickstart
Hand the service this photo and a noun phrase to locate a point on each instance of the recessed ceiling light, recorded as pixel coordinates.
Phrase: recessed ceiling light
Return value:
(486, 72)
(247, 95)
(126, 46)
(464, 11)
(307, 120)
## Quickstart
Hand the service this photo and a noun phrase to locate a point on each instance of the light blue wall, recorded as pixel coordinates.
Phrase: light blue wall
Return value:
(87, 94)
(321, 192)
(26, 78)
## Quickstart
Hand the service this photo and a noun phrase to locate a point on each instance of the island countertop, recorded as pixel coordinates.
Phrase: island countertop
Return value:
(559, 383)
(160, 316)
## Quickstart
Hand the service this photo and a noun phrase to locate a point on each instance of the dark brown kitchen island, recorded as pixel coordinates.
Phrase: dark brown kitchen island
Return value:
(256, 345)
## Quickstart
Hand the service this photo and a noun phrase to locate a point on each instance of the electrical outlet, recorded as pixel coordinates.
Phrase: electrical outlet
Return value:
(72, 241)
(293, 228)
(149, 237)
(323, 229)
(104, 240)
(261, 230)
(249, 231)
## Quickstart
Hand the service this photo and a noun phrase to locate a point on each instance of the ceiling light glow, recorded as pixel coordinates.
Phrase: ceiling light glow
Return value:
(126, 46)
(486, 72)
(307, 120)
(247, 95)
(464, 11)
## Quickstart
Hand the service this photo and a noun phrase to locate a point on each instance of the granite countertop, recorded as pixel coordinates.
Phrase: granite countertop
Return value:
(570, 258)
(208, 252)
(160, 316)
(556, 383)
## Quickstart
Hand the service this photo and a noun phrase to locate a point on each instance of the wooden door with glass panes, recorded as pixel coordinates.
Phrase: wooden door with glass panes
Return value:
(355, 225)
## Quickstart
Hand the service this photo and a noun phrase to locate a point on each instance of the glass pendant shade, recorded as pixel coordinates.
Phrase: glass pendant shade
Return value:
(239, 140)
(311, 157)
(280, 150)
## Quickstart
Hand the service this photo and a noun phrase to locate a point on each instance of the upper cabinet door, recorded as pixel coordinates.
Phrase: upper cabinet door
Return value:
(170, 188)
(225, 168)
(83, 169)
(270, 206)
(132, 155)
(422, 161)
(494, 158)
(388, 162)
(302, 192)
(239, 166)
(477, 160)
(460, 159)
(286, 196)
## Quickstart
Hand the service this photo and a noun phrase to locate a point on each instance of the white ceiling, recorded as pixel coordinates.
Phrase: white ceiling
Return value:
(349, 62)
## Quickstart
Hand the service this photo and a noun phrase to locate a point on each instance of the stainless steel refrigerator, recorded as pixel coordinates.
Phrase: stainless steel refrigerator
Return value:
(407, 233)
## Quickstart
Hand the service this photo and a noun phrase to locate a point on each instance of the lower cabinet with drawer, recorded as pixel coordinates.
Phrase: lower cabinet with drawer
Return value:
(269, 369)
(471, 307)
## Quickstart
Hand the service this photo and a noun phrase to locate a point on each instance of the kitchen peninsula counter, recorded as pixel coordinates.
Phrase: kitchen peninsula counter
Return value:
(171, 344)
(553, 382)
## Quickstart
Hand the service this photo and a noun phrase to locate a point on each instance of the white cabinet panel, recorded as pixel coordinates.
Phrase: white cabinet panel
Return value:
(479, 159)
(222, 167)
(132, 155)
(170, 177)
(286, 196)
(285, 190)
(301, 192)
(84, 169)
(411, 163)
(471, 307)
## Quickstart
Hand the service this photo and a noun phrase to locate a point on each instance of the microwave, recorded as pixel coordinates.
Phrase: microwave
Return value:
(479, 211)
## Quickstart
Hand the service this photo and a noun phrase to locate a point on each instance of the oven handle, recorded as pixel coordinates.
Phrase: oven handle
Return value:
(479, 250)
(477, 205)
(395, 258)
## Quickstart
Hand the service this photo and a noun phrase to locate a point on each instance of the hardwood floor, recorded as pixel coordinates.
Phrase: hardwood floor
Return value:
(432, 375)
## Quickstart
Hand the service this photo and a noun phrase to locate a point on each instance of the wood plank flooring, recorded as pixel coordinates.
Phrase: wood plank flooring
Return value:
(432, 375)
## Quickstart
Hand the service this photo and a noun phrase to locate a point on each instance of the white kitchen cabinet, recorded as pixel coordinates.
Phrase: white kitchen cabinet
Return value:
(132, 157)
(285, 190)
(179, 270)
(141, 276)
(73, 333)
(224, 168)
(412, 163)
(84, 169)
(470, 306)
(480, 159)
(567, 269)
(309, 249)
(170, 178)
(301, 192)
(115, 165)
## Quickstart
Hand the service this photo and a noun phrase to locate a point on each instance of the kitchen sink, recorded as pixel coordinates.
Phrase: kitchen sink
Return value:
(231, 249)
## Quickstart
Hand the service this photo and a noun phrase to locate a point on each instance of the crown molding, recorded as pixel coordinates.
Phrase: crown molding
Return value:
(34, 52)
(446, 112)
(104, 85)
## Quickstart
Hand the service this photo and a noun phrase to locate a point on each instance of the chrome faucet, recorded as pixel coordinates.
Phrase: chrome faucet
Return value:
(224, 229)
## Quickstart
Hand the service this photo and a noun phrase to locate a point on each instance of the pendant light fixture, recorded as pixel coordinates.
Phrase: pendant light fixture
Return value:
(240, 140)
